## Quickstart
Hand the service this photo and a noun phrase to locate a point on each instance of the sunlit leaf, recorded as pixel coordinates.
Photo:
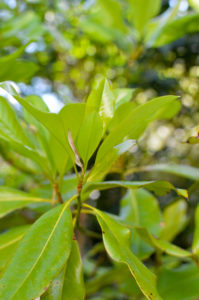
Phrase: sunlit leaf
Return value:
(9, 241)
(39, 257)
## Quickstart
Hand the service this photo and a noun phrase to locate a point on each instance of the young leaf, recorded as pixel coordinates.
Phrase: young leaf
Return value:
(137, 120)
(140, 208)
(12, 199)
(69, 285)
(9, 240)
(89, 136)
(116, 241)
(101, 100)
(39, 257)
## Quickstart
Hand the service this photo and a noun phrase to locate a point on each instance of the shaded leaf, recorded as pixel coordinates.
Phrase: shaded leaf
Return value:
(140, 208)
(160, 244)
(158, 187)
(180, 283)
(175, 219)
(180, 170)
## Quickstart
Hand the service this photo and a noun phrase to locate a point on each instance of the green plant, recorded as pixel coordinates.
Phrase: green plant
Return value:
(84, 140)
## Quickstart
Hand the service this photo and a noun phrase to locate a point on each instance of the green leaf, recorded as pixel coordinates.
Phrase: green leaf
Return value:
(116, 241)
(39, 257)
(180, 170)
(112, 18)
(160, 188)
(12, 199)
(102, 100)
(73, 287)
(23, 70)
(69, 118)
(180, 283)
(137, 120)
(9, 241)
(89, 136)
(174, 30)
(140, 208)
(142, 11)
(195, 246)
(69, 285)
(12, 132)
(160, 244)
(102, 167)
(175, 219)
(122, 95)
(9, 125)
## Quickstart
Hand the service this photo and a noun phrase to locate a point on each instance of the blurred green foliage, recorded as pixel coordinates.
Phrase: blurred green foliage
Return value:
(58, 50)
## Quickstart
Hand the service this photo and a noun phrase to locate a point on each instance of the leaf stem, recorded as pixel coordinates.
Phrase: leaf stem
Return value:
(56, 192)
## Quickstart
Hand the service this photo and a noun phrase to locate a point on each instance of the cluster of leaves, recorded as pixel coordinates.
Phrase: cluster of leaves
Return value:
(44, 257)
(60, 162)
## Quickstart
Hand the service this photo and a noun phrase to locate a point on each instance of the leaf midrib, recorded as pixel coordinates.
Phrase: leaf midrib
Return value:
(44, 248)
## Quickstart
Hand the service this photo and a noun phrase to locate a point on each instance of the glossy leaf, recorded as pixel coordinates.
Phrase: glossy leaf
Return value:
(9, 241)
(137, 120)
(116, 241)
(122, 96)
(40, 256)
(12, 199)
(73, 287)
(140, 208)
(89, 136)
(69, 285)
(102, 100)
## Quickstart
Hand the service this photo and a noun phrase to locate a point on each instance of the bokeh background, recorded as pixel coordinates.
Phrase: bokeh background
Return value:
(58, 49)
